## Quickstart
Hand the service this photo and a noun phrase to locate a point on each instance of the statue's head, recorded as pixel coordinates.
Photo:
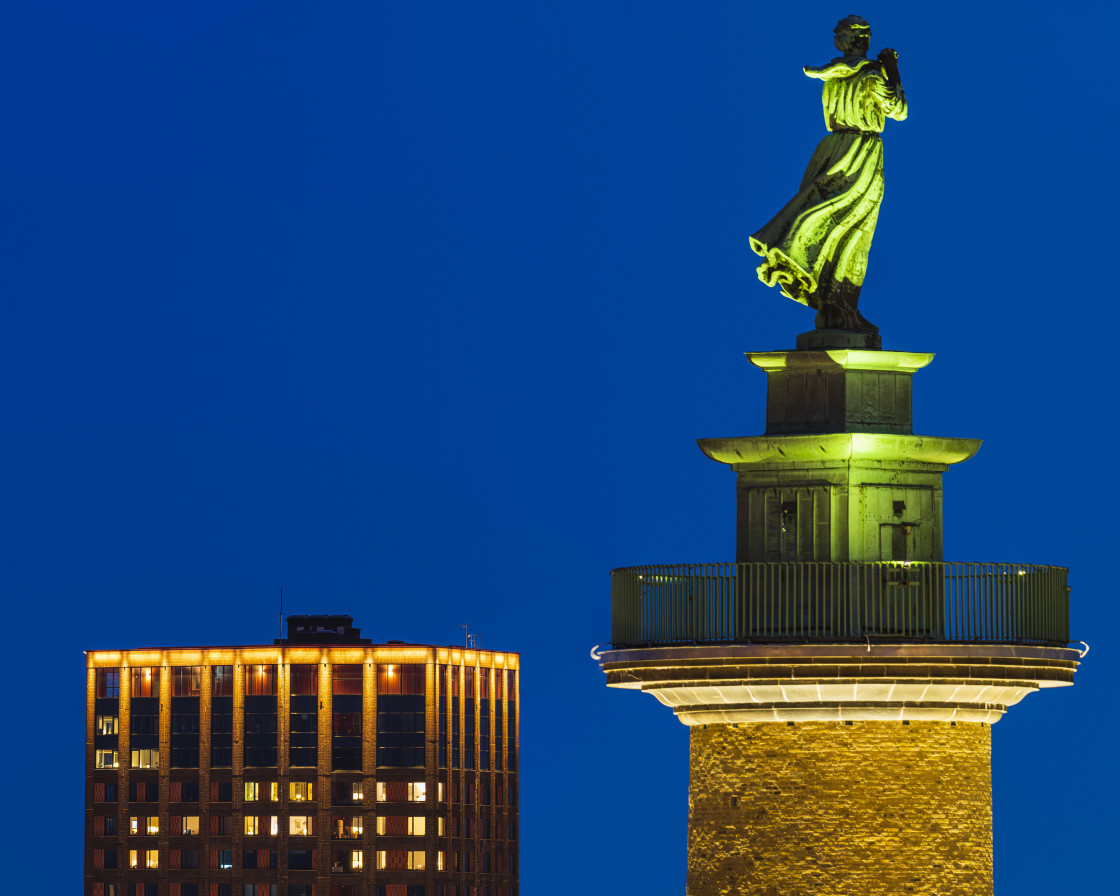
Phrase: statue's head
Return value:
(853, 36)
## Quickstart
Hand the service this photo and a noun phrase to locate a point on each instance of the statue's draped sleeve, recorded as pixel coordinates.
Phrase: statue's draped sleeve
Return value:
(858, 97)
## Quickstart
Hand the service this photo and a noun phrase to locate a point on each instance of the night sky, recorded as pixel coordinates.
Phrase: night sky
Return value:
(416, 310)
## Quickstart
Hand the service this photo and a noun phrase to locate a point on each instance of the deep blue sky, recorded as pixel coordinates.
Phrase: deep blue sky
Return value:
(416, 309)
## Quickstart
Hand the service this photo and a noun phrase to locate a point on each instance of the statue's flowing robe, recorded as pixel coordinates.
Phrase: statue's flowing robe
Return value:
(822, 236)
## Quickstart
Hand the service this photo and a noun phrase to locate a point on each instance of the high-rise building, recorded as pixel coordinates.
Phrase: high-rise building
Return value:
(840, 679)
(320, 765)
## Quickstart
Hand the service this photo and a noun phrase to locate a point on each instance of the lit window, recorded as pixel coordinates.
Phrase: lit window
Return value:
(190, 825)
(439, 859)
(347, 828)
(356, 859)
(416, 859)
(260, 680)
(382, 792)
(143, 824)
(382, 860)
(417, 791)
(145, 758)
(273, 791)
(105, 758)
(301, 790)
(301, 825)
(105, 725)
(381, 829)
(251, 824)
(143, 858)
(439, 831)
(273, 825)
(356, 791)
(416, 825)
(252, 791)
(107, 683)
(439, 788)
(145, 681)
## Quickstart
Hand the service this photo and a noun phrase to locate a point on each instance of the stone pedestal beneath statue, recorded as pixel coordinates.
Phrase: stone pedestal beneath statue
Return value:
(816, 340)
(839, 475)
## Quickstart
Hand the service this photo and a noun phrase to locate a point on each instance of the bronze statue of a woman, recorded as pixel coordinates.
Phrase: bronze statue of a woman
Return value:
(815, 249)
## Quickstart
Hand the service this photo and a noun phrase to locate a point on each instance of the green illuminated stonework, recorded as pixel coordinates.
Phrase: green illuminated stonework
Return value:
(839, 474)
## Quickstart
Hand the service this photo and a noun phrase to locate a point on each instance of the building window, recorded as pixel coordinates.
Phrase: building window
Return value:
(347, 724)
(406, 678)
(186, 681)
(415, 859)
(190, 825)
(106, 724)
(260, 680)
(252, 824)
(439, 827)
(301, 825)
(104, 859)
(143, 858)
(221, 824)
(305, 680)
(301, 860)
(382, 860)
(221, 859)
(222, 681)
(105, 758)
(346, 828)
(401, 791)
(347, 679)
(401, 825)
(301, 790)
(145, 681)
(356, 859)
(107, 683)
(143, 824)
(104, 792)
(439, 859)
(184, 791)
(145, 758)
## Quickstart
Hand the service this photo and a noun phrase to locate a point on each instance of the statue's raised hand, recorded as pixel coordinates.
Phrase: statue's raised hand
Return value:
(888, 58)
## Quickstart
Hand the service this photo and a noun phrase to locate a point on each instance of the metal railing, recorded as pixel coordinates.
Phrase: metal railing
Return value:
(727, 603)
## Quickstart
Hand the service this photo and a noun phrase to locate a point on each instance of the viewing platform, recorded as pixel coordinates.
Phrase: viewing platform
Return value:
(833, 603)
(736, 643)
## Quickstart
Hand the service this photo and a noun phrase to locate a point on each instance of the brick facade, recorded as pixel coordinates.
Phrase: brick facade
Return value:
(853, 809)
(470, 811)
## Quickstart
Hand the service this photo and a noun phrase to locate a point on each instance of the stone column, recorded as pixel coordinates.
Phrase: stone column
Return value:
(844, 809)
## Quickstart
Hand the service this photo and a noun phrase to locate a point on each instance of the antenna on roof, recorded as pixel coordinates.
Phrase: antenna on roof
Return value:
(281, 612)
(466, 635)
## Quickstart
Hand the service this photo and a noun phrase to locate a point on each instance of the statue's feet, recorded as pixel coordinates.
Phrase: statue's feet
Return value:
(840, 316)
